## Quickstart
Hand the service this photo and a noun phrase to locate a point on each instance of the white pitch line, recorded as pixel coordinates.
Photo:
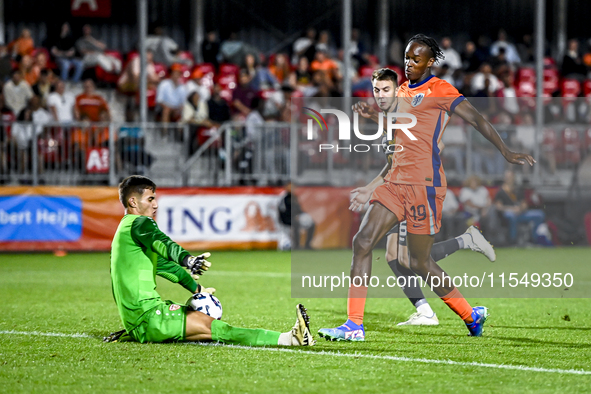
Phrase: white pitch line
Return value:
(338, 354)
(404, 359)
(46, 334)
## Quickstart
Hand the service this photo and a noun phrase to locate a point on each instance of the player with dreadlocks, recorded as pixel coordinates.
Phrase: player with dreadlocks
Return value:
(414, 188)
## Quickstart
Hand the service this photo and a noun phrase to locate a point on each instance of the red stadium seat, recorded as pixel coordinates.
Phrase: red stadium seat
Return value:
(160, 70)
(526, 92)
(207, 71)
(108, 77)
(571, 145)
(187, 55)
(526, 74)
(570, 89)
(549, 62)
(228, 68)
(551, 81)
(587, 88)
(365, 71)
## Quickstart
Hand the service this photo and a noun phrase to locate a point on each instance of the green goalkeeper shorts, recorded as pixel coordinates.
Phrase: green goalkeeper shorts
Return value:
(163, 323)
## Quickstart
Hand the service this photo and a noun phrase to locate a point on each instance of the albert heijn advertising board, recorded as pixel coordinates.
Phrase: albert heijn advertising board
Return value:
(86, 218)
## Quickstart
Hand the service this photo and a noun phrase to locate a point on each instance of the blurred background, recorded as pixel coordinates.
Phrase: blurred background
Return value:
(204, 97)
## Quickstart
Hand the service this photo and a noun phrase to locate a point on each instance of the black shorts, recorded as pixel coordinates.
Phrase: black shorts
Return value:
(401, 233)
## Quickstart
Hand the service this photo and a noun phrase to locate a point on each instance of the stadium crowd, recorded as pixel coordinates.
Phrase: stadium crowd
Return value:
(235, 81)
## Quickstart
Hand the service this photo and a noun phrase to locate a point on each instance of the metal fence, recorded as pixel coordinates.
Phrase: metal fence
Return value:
(265, 153)
(86, 153)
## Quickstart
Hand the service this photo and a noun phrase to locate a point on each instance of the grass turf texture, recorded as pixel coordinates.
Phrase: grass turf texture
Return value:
(72, 294)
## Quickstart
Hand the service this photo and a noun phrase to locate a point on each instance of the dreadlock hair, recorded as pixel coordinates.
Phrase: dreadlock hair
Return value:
(431, 43)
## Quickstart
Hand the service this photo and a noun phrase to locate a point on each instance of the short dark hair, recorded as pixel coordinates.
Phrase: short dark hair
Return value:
(436, 51)
(385, 74)
(134, 184)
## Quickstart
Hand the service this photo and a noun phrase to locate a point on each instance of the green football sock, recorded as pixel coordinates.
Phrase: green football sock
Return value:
(223, 332)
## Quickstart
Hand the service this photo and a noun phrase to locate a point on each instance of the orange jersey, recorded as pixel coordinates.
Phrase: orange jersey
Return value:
(91, 106)
(432, 101)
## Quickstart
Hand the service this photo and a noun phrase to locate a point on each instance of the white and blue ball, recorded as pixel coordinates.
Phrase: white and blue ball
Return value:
(206, 303)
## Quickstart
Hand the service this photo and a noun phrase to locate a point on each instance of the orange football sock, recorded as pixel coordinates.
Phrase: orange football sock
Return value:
(457, 303)
(356, 303)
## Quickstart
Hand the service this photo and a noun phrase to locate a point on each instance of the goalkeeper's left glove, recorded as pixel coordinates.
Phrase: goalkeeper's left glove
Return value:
(197, 264)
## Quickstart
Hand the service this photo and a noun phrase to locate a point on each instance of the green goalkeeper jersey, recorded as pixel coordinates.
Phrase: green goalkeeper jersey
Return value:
(139, 252)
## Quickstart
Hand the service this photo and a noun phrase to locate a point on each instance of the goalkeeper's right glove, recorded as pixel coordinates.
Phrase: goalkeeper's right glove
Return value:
(197, 264)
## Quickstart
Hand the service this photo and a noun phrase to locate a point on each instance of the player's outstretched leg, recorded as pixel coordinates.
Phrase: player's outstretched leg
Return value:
(471, 239)
(423, 264)
(376, 223)
(221, 331)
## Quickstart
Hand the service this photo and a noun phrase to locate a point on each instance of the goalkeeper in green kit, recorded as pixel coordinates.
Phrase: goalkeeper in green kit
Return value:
(139, 252)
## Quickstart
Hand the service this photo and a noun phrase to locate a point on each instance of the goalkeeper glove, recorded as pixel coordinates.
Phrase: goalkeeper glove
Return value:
(197, 264)
(201, 289)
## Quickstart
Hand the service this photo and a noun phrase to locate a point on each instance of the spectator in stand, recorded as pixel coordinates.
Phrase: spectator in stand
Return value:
(357, 49)
(233, 50)
(508, 95)
(301, 78)
(323, 64)
(61, 103)
(23, 134)
(171, 96)
(44, 86)
(196, 111)
(280, 68)
(195, 84)
(164, 48)
(510, 50)
(29, 69)
(6, 119)
(476, 202)
(210, 48)
(65, 55)
(93, 52)
(5, 64)
(325, 44)
(511, 204)
(23, 45)
(483, 75)
(526, 49)
(470, 60)
(132, 157)
(483, 156)
(451, 56)
(17, 92)
(453, 222)
(243, 94)
(129, 81)
(260, 77)
(196, 115)
(499, 63)
(444, 72)
(91, 104)
(304, 46)
(572, 63)
(219, 110)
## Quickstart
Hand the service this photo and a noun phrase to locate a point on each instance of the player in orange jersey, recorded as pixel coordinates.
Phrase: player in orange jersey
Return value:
(414, 188)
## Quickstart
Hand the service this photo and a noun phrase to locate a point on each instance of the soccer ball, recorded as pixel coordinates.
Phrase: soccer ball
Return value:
(206, 303)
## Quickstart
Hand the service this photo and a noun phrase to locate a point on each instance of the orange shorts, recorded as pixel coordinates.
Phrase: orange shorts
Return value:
(419, 205)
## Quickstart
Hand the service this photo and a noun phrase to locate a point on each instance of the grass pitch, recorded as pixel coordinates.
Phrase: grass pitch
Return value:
(529, 345)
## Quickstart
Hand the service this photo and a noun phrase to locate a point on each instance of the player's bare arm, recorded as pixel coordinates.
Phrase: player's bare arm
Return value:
(471, 115)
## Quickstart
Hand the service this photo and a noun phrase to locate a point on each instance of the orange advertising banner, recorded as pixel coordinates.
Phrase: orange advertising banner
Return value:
(86, 218)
